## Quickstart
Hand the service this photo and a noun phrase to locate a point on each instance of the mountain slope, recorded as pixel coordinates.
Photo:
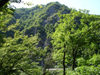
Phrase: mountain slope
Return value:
(41, 20)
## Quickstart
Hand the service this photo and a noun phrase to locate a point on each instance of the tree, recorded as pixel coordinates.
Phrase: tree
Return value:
(20, 55)
(4, 2)
(5, 17)
(59, 43)
(74, 31)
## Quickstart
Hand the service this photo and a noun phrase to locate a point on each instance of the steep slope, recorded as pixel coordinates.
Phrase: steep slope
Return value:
(41, 20)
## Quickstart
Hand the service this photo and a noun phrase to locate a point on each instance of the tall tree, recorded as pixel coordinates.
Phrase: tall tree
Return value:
(73, 32)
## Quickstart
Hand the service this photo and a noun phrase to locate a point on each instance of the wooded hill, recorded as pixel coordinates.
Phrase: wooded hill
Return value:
(41, 20)
(49, 36)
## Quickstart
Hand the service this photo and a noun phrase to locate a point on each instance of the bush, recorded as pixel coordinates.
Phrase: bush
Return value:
(88, 70)
(54, 73)
(81, 62)
(95, 60)
(84, 70)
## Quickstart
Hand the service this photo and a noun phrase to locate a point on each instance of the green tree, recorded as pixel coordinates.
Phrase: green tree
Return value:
(20, 55)
(74, 32)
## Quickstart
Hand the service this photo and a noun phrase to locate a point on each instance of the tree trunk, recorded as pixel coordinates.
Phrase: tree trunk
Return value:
(74, 59)
(44, 70)
(44, 66)
(64, 67)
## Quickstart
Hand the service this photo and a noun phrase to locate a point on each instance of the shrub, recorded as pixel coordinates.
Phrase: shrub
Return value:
(88, 70)
(81, 62)
(95, 60)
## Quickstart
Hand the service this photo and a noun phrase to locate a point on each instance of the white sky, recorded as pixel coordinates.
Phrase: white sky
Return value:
(92, 5)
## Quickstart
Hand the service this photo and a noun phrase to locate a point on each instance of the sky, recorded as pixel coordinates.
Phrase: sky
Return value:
(92, 5)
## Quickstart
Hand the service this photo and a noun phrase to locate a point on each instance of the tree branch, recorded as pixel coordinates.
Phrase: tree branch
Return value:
(3, 2)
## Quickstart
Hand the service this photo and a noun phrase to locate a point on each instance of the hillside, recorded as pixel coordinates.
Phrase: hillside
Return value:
(41, 20)
(49, 39)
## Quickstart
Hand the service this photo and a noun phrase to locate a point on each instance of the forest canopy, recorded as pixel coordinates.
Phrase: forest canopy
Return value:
(34, 41)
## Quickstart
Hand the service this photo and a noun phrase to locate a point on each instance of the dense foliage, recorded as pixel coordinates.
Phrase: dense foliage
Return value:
(33, 40)
(77, 36)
